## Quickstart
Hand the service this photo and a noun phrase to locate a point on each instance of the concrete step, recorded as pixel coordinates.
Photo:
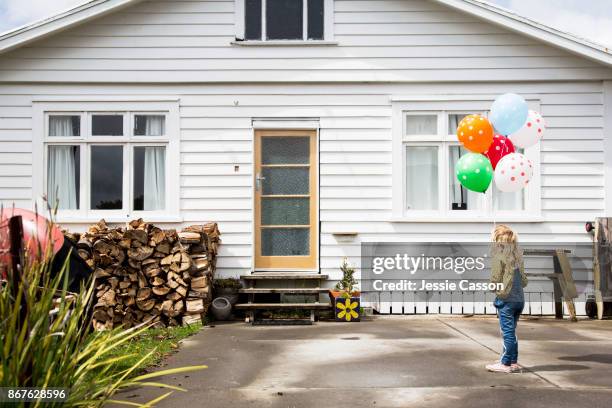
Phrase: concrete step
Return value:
(269, 306)
(283, 276)
(284, 290)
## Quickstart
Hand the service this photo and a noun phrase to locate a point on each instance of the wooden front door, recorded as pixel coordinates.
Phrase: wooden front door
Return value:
(286, 233)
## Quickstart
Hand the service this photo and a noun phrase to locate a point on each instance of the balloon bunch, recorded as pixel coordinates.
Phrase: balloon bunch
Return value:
(492, 145)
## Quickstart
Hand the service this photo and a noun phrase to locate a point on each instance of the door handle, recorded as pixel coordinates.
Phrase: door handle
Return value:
(258, 181)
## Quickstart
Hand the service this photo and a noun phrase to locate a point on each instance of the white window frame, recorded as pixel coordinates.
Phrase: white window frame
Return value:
(328, 26)
(129, 109)
(443, 106)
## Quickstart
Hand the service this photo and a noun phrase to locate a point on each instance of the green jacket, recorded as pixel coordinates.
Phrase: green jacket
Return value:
(501, 273)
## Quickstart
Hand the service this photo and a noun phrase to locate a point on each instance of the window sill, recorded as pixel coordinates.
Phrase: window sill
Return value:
(276, 43)
(489, 220)
(68, 219)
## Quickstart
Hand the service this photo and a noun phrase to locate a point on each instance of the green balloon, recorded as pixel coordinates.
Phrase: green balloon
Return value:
(474, 172)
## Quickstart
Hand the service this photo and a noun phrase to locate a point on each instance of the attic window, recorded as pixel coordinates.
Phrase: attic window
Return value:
(266, 20)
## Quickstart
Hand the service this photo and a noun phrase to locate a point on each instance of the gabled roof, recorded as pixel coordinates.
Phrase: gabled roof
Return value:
(478, 8)
(514, 22)
(60, 22)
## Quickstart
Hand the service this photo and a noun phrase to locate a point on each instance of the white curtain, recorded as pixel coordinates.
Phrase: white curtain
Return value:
(155, 125)
(61, 177)
(421, 125)
(421, 178)
(154, 178)
(453, 122)
(60, 126)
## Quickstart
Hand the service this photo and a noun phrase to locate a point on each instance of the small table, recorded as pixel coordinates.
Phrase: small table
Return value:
(563, 281)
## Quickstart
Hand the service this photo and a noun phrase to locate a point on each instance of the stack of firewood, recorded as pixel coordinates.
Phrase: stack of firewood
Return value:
(144, 273)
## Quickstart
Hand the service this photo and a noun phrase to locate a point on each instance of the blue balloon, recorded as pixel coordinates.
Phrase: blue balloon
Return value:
(509, 113)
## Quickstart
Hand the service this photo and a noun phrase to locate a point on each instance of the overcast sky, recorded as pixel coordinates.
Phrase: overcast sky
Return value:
(590, 19)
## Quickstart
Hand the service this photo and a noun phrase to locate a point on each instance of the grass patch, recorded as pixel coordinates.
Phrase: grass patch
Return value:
(163, 340)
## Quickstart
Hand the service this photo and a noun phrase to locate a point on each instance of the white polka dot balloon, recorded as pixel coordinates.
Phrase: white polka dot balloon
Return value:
(531, 133)
(513, 173)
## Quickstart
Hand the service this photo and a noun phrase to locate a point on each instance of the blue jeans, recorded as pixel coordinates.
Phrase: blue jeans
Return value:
(509, 313)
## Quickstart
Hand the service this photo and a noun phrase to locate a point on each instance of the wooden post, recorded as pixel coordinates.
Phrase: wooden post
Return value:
(15, 226)
(566, 281)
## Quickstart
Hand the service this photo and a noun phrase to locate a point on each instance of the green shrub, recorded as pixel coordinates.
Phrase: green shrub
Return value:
(232, 283)
(348, 284)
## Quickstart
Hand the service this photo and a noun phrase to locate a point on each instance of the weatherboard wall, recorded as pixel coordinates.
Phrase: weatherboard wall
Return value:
(376, 40)
(182, 49)
(355, 160)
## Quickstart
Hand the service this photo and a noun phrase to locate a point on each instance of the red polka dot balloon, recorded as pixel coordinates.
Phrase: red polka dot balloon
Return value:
(531, 132)
(513, 172)
(501, 146)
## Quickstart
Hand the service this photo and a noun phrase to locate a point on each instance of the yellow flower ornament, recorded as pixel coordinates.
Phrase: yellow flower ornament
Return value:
(347, 310)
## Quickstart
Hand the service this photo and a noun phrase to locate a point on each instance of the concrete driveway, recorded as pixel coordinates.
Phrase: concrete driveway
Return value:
(394, 362)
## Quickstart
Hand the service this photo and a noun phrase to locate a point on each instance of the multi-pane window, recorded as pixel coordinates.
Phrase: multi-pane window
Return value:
(111, 161)
(430, 153)
(284, 20)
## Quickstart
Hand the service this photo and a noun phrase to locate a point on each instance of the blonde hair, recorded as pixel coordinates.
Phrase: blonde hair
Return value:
(505, 246)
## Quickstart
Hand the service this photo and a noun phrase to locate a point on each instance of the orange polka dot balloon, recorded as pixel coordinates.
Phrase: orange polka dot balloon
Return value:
(475, 133)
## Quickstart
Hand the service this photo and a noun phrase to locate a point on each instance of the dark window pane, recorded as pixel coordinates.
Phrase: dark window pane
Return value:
(107, 125)
(315, 19)
(285, 241)
(285, 211)
(252, 18)
(284, 19)
(286, 180)
(106, 177)
(285, 150)
(64, 125)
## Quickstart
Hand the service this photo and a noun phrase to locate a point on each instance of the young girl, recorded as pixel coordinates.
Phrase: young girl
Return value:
(507, 268)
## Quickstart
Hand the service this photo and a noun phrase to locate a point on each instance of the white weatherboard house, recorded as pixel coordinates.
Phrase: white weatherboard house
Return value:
(303, 127)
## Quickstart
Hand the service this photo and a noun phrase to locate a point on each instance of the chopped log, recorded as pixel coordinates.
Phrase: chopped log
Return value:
(157, 281)
(145, 305)
(167, 260)
(140, 254)
(137, 234)
(108, 298)
(199, 282)
(201, 263)
(167, 307)
(163, 247)
(181, 290)
(100, 273)
(143, 294)
(194, 305)
(161, 290)
(179, 307)
(187, 237)
(174, 296)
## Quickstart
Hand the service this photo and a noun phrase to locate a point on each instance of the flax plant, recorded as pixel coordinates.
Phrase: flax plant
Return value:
(46, 341)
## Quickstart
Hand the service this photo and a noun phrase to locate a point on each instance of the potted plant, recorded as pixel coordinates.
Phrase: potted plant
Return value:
(345, 299)
(227, 288)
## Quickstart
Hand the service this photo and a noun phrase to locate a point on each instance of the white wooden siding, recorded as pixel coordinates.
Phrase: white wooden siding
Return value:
(398, 47)
(355, 155)
(377, 40)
